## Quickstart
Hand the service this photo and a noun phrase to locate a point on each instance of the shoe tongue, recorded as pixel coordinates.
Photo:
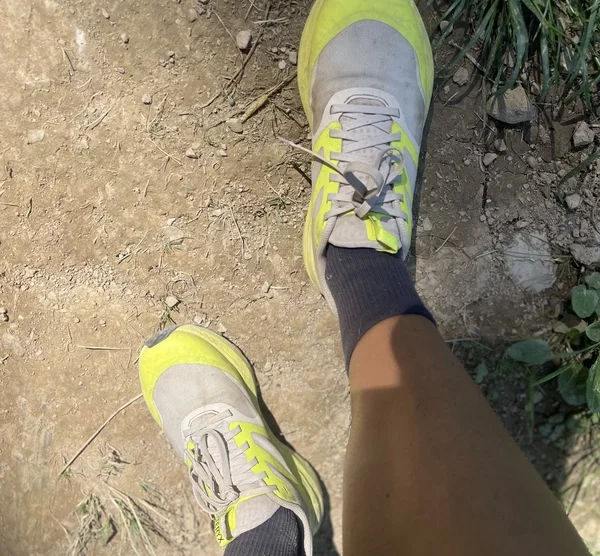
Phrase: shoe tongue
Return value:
(253, 512)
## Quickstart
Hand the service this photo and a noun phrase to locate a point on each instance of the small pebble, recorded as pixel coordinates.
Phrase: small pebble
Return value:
(583, 135)
(500, 145)
(222, 152)
(171, 301)
(221, 328)
(235, 125)
(293, 57)
(3, 310)
(461, 76)
(121, 70)
(532, 162)
(105, 13)
(489, 159)
(573, 201)
(35, 136)
(265, 287)
(125, 38)
(203, 1)
(192, 15)
(243, 40)
(171, 54)
(427, 225)
(191, 153)
(147, 99)
(282, 64)
(444, 25)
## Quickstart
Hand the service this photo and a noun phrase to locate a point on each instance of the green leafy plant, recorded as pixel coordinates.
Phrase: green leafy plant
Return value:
(560, 37)
(579, 375)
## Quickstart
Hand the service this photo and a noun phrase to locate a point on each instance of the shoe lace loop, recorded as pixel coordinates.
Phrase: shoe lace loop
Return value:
(364, 186)
(220, 471)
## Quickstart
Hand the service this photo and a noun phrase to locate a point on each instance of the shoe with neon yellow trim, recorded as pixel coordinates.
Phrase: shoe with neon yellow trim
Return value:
(365, 74)
(201, 390)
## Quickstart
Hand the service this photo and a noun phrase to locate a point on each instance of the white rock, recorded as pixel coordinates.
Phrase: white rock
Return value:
(244, 39)
(587, 256)
(147, 99)
(489, 158)
(573, 201)
(427, 225)
(192, 15)
(235, 125)
(461, 76)
(293, 57)
(282, 64)
(583, 135)
(529, 262)
(35, 136)
(191, 153)
(513, 107)
(171, 301)
(500, 145)
(532, 162)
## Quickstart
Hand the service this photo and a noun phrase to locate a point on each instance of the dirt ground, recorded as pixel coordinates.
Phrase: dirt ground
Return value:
(139, 190)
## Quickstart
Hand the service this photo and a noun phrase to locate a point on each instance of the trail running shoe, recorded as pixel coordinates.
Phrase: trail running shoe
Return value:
(201, 390)
(365, 74)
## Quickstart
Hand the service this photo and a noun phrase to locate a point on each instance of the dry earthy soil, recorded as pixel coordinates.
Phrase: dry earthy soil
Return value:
(107, 217)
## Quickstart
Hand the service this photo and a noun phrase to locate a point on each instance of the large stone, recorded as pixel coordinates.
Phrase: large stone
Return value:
(461, 76)
(583, 135)
(512, 107)
(587, 256)
(529, 262)
(243, 40)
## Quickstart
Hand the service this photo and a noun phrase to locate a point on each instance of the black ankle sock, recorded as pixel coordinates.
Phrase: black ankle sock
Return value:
(368, 287)
(280, 535)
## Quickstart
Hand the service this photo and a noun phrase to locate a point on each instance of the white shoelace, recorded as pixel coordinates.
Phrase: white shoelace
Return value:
(219, 481)
(374, 192)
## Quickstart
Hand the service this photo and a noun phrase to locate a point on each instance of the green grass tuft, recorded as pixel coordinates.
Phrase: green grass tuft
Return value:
(554, 43)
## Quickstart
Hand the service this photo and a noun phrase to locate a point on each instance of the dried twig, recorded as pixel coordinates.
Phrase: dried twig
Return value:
(68, 58)
(210, 101)
(99, 120)
(446, 240)
(238, 230)
(258, 103)
(228, 32)
(170, 156)
(238, 74)
(98, 431)
(102, 348)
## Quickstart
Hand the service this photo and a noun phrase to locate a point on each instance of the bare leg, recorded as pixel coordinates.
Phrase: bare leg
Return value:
(430, 468)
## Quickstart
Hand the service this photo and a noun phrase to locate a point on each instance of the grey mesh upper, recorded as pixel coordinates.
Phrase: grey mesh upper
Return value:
(197, 403)
(182, 389)
(370, 54)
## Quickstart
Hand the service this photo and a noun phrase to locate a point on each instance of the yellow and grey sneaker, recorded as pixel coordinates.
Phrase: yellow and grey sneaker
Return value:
(365, 74)
(201, 390)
